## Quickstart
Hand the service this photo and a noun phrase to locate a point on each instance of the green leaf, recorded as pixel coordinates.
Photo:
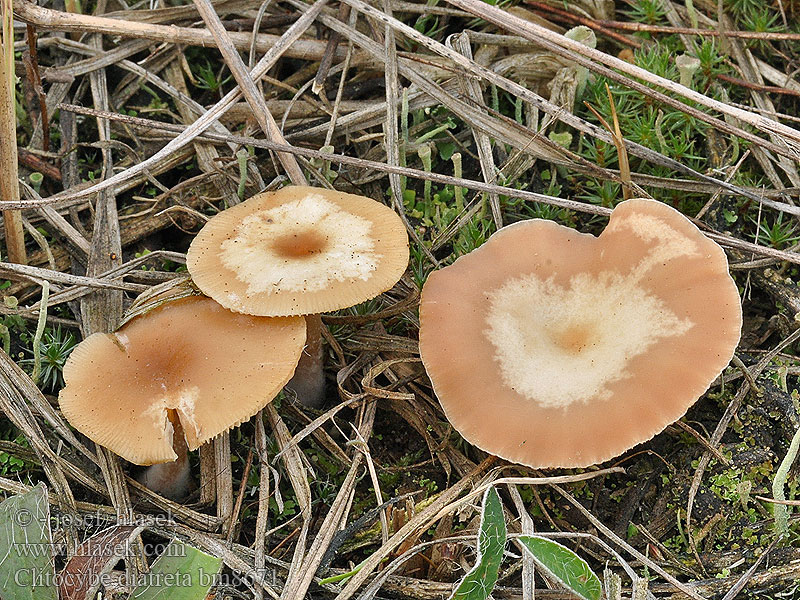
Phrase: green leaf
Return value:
(26, 547)
(180, 573)
(479, 582)
(446, 150)
(563, 565)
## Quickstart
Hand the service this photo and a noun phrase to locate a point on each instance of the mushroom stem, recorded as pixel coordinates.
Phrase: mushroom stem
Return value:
(308, 382)
(173, 479)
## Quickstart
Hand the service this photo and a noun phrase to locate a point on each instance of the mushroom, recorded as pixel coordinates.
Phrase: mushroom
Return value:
(189, 364)
(553, 348)
(299, 251)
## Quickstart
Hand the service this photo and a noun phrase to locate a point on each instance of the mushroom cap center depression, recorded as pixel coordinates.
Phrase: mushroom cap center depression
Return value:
(302, 244)
(574, 339)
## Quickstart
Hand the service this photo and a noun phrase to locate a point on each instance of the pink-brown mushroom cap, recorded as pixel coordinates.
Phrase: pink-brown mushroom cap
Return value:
(299, 251)
(553, 348)
(213, 367)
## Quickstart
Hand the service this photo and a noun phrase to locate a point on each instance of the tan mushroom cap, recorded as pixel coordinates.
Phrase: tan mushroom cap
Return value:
(553, 348)
(212, 367)
(299, 251)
